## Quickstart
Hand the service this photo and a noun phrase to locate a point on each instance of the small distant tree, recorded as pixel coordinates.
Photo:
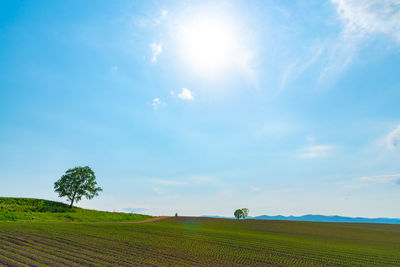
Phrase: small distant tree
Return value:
(76, 183)
(245, 212)
(238, 213)
(176, 214)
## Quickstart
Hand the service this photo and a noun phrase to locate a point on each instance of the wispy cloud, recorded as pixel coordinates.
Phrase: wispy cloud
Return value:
(157, 103)
(294, 70)
(162, 16)
(186, 94)
(169, 182)
(366, 17)
(361, 20)
(389, 178)
(156, 49)
(317, 151)
(189, 181)
(203, 180)
(393, 139)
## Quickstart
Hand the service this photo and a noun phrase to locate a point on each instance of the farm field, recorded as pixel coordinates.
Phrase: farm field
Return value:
(188, 241)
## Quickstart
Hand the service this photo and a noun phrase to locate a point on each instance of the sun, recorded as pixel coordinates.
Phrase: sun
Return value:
(207, 44)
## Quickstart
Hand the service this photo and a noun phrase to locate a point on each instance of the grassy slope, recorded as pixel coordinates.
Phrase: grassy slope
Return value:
(209, 241)
(30, 209)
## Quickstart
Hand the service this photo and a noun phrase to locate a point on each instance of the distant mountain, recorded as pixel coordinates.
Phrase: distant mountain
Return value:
(322, 218)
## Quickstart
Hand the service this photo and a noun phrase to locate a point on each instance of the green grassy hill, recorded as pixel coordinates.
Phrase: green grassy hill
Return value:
(31, 209)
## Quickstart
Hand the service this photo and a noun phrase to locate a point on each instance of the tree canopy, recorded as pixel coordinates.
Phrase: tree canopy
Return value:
(76, 183)
(245, 212)
(241, 213)
(238, 213)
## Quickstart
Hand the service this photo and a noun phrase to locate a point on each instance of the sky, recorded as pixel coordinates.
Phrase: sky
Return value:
(203, 107)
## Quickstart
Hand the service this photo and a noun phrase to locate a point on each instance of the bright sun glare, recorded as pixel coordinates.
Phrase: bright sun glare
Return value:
(208, 44)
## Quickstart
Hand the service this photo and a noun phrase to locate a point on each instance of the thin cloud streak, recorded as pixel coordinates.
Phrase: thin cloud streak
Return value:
(361, 20)
(169, 182)
(389, 178)
(317, 151)
(156, 50)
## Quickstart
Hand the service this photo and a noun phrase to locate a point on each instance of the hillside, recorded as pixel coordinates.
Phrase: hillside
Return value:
(191, 241)
(40, 210)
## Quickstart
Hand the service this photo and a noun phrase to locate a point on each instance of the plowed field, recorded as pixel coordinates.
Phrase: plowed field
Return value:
(189, 241)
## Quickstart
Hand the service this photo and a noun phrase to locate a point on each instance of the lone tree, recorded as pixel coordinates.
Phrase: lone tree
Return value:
(245, 212)
(76, 183)
(238, 213)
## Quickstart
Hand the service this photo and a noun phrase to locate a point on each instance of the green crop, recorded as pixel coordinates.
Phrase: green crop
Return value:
(186, 241)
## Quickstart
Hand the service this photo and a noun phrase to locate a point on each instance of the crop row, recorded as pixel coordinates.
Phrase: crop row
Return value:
(179, 242)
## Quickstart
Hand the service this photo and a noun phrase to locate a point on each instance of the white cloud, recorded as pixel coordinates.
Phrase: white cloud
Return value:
(364, 17)
(156, 49)
(389, 178)
(186, 94)
(393, 139)
(316, 151)
(157, 103)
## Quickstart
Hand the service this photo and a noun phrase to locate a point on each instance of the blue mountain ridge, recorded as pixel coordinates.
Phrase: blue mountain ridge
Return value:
(321, 218)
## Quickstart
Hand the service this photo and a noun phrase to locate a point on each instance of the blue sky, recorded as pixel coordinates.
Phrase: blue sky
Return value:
(202, 107)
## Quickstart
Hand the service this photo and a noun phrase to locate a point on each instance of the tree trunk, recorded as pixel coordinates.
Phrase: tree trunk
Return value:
(72, 200)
